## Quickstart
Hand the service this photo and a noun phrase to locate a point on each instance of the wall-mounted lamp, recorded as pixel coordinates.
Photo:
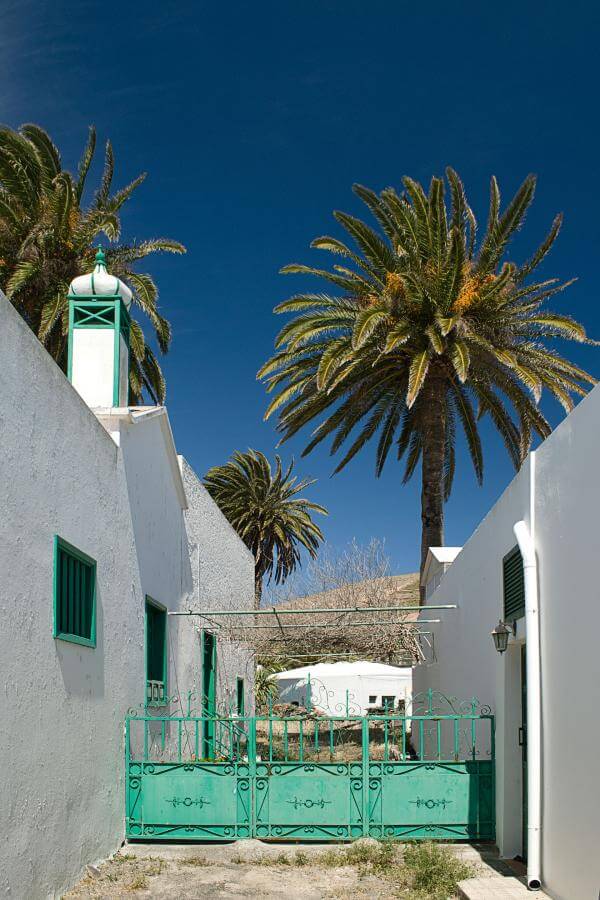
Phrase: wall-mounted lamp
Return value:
(500, 635)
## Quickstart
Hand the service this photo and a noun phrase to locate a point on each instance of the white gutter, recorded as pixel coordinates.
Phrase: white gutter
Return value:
(526, 544)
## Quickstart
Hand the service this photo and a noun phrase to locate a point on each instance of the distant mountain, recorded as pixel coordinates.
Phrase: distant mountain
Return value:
(393, 590)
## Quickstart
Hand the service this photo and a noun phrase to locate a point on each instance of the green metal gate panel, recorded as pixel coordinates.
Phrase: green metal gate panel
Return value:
(192, 801)
(431, 800)
(426, 774)
(309, 801)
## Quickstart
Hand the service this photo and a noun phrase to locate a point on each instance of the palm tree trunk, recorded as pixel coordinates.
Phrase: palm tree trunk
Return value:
(258, 583)
(432, 473)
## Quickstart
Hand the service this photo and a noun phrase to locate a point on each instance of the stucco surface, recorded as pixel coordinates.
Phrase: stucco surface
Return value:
(563, 516)
(223, 578)
(61, 705)
(567, 503)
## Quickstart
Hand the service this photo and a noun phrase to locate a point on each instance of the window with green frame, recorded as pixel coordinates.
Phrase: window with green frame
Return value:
(513, 582)
(74, 594)
(156, 653)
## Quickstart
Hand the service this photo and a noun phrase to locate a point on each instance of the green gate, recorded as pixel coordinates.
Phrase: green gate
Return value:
(426, 774)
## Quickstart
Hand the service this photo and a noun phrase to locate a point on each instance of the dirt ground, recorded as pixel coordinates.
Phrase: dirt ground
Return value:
(242, 870)
(245, 869)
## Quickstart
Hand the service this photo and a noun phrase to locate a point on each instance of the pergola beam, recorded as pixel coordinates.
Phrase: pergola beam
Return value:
(338, 624)
(308, 611)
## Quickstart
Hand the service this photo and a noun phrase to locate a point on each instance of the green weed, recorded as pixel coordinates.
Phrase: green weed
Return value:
(196, 861)
(434, 871)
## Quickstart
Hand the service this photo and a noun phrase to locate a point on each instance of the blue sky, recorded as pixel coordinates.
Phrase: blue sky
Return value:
(254, 120)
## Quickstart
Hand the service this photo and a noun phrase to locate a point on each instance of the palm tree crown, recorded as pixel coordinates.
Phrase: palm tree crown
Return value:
(267, 512)
(47, 238)
(431, 330)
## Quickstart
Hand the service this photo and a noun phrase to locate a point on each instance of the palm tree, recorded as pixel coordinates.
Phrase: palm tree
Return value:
(264, 508)
(47, 238)
(431, 330)
(265, 687)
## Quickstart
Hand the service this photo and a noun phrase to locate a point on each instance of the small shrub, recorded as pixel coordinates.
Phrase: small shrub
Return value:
(332, 859)
(434, 870)
(196, 861)
(138, 883)
(154, 866)
(369, 857)
(377, 857)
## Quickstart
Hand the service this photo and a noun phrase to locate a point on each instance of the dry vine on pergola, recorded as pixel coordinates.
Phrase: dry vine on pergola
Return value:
(369, 620)
(364, 629)
(373, 615)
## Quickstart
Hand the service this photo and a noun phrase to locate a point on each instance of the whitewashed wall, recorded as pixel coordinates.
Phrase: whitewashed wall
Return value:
(223, 578)
(567, 538)
(160, 536)
(564, 519)
(331, 693)
(61, 705)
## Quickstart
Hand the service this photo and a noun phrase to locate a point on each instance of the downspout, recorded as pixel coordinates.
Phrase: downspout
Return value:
(525, 540)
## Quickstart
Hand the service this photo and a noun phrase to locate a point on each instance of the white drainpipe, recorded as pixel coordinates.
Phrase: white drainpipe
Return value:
(534, 707)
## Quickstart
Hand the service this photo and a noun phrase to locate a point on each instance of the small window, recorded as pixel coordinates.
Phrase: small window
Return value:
(74, 594)
(156, 653)
(372, 698)
(513, 582)
(388, 702)
(241, 704)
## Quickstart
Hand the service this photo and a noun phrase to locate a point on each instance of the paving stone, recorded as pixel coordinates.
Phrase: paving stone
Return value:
(495, 888)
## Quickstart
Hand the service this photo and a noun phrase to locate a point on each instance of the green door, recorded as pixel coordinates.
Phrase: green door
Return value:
(156, 653)
(209, 692)
(240, 702)
(523, 744)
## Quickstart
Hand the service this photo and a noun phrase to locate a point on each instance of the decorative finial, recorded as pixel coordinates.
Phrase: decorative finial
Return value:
(100, 258)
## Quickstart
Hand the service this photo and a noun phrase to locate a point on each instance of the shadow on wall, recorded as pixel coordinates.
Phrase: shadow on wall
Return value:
(82, 668)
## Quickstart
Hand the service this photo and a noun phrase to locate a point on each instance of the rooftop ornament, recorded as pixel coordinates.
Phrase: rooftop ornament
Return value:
(99, 284)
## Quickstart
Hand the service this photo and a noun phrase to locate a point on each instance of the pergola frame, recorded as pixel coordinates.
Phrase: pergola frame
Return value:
(212, 613)
(374, 630)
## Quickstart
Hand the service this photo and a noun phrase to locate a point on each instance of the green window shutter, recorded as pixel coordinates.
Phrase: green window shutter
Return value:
(74, 594)
(156, 652)
(514, 585)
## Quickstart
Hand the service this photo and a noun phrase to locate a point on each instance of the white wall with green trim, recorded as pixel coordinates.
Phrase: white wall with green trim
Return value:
(223, 578)
(563, 515)
(62, 704)
(115, 492)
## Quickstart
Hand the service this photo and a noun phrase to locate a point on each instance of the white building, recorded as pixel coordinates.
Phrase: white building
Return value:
(542, 580)
(342, 688)
(439, 560)
(105, 531)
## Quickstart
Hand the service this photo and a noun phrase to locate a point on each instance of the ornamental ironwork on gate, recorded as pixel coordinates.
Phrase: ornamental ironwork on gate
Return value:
(428, 773)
